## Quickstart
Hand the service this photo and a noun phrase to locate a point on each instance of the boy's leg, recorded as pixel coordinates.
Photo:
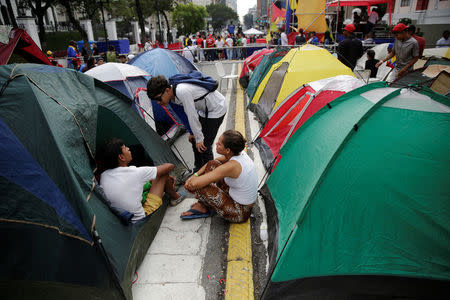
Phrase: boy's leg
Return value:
(163, 184)
(210, 127)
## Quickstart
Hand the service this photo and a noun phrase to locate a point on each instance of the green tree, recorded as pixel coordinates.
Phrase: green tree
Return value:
(220, 14)
(159, 8)
(71, 7)
(248, 20)
(189, 18)
(39, 9)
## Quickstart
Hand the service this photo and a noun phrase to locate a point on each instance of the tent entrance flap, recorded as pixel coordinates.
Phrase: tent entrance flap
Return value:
(270, 94)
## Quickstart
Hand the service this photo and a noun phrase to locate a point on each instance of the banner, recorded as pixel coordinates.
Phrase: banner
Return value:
(311, 15)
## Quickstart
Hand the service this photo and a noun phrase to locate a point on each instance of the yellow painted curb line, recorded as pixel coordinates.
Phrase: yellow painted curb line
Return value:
(239, 284)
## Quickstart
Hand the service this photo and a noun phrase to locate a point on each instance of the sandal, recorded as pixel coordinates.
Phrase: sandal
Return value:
(196, 214)
(177, 201)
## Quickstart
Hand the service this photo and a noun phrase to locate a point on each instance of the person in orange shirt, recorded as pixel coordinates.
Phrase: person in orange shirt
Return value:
(420, 40)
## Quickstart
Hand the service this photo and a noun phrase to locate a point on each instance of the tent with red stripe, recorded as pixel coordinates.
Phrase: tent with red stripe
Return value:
(298, 107)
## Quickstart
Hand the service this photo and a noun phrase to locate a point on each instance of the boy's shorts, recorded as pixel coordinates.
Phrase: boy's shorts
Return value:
(152, 203)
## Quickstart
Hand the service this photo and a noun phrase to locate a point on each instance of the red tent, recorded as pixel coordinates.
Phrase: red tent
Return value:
(22, 44)
(250, 63)
(295, 110)
(367, 3)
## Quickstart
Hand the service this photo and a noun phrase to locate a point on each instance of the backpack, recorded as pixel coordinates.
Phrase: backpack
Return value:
(196, 78)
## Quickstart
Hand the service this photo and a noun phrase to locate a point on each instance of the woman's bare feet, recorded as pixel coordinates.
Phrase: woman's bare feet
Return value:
(197, 206)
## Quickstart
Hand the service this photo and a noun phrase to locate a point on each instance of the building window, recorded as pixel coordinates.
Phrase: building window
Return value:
(405, 3)
(422, 5)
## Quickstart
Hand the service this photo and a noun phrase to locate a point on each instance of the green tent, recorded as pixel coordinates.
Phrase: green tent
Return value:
(60, 239)
(360, 200)
(262, 68)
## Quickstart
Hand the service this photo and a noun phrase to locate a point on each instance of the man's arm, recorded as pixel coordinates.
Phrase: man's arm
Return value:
(164, 169)
(390, 55)
(230, 169)
(191, 112)
(410, 64)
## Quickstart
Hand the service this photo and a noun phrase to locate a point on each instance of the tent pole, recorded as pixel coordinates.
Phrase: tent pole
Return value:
(337, 20)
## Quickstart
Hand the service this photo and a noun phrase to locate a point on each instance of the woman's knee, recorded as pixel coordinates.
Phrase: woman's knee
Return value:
(212, 164)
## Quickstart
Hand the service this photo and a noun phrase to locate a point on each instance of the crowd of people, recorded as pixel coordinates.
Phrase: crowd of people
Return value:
(216, 47)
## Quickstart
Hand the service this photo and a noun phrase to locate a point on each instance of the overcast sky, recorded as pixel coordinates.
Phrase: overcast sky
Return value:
(243, 6)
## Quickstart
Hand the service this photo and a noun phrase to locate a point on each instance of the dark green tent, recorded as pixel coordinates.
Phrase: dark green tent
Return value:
(360, 200)
(59, 238)
(261, 70)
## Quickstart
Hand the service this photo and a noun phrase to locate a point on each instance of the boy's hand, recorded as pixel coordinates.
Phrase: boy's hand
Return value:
(201, 147)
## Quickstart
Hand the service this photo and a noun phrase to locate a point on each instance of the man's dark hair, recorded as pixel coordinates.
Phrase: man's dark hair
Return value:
(109, 152)
(371, 54)
(446, 32)
(412, 29)
(234, 141)
(111, 48)
(156, 85)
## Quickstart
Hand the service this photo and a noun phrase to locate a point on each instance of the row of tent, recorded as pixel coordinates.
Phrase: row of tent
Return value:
(61, 237)
(357, 195)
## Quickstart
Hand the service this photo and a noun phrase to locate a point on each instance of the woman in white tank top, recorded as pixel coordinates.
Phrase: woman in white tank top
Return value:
(227, 185)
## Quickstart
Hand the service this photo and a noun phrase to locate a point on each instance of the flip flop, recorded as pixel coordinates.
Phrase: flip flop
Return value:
(177, 201)
(196, 214)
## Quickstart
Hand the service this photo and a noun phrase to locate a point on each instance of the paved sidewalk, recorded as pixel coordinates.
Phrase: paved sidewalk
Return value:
(186, 258)
(172, 268)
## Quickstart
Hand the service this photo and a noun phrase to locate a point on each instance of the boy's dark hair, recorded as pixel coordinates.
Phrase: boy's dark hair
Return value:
(156, 85)
(234, 141)
(111, 48)
(371, 54)
(109, 153)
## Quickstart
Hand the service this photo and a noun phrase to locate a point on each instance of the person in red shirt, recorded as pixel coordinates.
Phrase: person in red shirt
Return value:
(210, 43)
(200, 46)
(420, 40)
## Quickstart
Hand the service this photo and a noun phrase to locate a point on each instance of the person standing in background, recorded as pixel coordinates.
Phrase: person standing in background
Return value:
(420, 40)
(372, 20)
(350, 49)
(406, 50)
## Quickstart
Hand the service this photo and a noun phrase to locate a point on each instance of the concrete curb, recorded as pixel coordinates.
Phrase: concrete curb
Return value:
(239, 283)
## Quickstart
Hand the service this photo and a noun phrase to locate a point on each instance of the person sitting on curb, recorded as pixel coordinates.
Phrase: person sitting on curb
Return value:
(227, 185)
(123, 184)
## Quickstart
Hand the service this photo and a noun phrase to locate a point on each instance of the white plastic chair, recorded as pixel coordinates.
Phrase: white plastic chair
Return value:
(221, 73)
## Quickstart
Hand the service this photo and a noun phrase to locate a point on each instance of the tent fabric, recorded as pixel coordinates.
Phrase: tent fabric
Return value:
(295, 110)
(304, 64)
(22, 44)
(116, 72)
(262, 68)
(123, 77)
(51, 120)
(366, 195)
(250, 63)
(253, 31)
(164, 62)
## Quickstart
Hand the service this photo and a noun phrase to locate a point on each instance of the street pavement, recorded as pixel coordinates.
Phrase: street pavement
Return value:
(187, 259)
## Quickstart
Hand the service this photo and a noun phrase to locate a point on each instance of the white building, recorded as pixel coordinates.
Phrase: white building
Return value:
(232, 4)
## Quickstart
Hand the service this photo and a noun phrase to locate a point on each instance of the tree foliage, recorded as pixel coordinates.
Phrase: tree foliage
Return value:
(248, 20)
(189, 18)
(39, 9)
(220, 15)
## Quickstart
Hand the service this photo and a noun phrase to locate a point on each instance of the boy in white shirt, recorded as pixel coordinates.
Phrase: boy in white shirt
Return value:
(123, 184)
